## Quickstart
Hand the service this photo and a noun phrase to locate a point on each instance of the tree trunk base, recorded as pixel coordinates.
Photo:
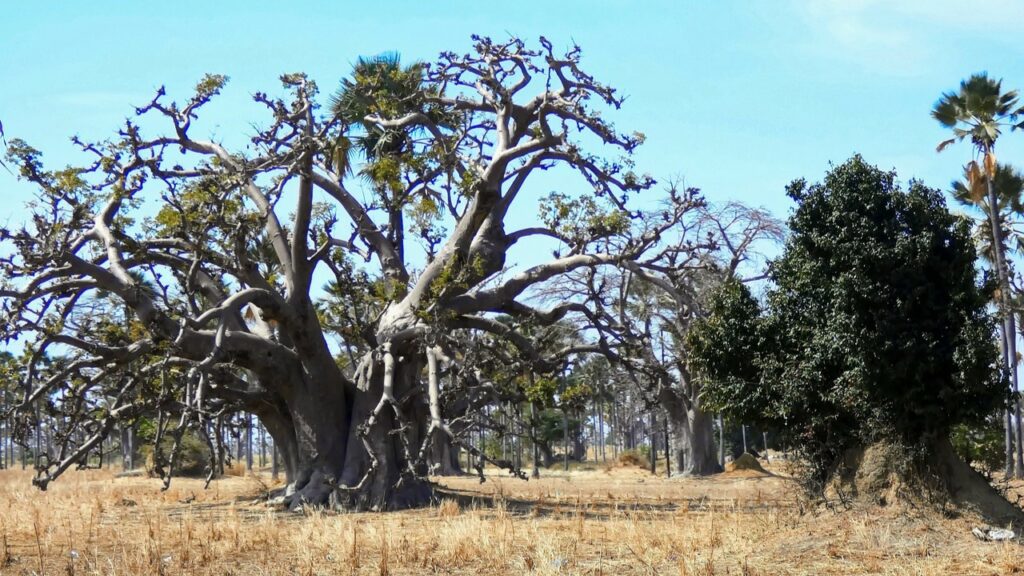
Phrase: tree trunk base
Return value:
(444, 457)
(706, 466)
(879, 475)
(407, 493)
(319, 493)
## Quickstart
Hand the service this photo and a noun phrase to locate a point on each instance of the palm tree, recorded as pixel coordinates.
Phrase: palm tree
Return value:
(381, 87)
(980, 111)
(1009, 188)
(1008, 183)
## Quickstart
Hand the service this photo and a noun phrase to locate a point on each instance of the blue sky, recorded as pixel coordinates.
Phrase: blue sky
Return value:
(738, 98)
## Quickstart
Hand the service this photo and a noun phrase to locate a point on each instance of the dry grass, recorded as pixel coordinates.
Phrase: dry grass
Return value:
(615, 521)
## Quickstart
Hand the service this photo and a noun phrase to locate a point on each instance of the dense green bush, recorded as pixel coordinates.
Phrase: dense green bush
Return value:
(875, 327)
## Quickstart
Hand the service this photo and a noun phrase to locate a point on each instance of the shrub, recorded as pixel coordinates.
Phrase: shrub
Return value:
(981, 446)
(193, 455)
(634, 458)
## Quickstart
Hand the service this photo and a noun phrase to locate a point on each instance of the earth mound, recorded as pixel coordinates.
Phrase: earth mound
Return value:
(745, 465)
(880, 474)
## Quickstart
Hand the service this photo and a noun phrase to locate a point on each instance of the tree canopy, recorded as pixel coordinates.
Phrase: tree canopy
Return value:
(214, 253)
(875, 327)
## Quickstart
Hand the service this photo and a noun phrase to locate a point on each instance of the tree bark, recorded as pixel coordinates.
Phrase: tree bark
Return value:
(565, 439)
(693, 435)
(386, 429)
(654, 449)
(444, 456)
(1008, 414)
(547, 455)
(668, 449)
(1008, 324)
(535, 473)
(248, 443)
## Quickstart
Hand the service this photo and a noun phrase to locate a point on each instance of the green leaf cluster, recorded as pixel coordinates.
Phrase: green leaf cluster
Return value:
(875, 329)
(582, 219)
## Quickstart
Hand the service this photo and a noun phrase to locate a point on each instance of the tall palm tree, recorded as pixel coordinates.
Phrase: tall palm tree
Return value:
(980, 111)
(1008, 182)
(381, 86)
(1009, 186)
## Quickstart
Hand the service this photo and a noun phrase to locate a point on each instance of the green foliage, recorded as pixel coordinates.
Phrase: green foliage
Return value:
(492, 447)
(548, 426)
(541, 390)
(10, 370)
(1008, 185)
(576, 394)
(581, 219)
(456, 277)
(193, 455)
(425, 215)
(981, 444)
(978, 111)
(571, 392)
(723, 348)
(205, 205)
(380, 86)
(875, 329)
(210, 85)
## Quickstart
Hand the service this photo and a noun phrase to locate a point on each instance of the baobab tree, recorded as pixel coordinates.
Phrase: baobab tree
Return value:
(665, 301)
(193, 237)
(647, 309)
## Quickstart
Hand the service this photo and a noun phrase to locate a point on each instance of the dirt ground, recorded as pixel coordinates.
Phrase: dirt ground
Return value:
(598, 521)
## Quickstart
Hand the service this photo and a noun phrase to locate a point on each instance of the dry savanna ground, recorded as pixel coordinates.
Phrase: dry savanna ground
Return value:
(618, 520)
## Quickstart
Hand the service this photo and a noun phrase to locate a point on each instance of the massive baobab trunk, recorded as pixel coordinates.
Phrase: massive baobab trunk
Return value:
(354, 449)
(693, 437)
(380, 469)
(357, 445)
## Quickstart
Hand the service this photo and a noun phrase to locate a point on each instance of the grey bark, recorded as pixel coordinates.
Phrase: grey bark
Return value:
(391, 425)
(565, 439)
(535, 473)
(1008, 413)
(654, 449)
(248, 443)
(1008, 326)
(668, 449)
(693, 435)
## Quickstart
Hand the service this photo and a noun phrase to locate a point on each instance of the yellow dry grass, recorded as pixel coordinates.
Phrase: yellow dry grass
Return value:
(615, 521)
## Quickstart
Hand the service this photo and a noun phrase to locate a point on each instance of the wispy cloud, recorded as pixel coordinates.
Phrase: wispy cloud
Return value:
(904, 37)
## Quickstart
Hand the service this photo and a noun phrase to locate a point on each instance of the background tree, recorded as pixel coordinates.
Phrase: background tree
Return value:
(1007, 185)
(875, 333)
(659, 305)
(980, 111)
